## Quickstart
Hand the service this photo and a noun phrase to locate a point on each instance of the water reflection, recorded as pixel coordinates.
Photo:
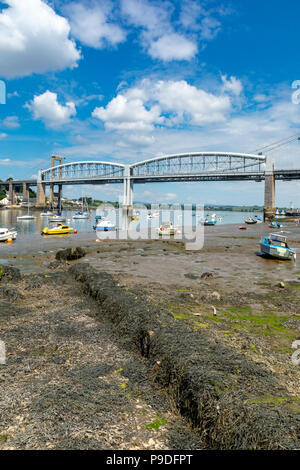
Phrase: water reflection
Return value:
(8, 219)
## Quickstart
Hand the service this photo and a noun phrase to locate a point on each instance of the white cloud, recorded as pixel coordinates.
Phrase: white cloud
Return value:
(184, 99)
(233, 85)
(34, 39)
(128, 113)
(47, 108)
(160, 103)
(172, 47)
(11, 122)
(91, 25)
(158, 35)
(3, 135)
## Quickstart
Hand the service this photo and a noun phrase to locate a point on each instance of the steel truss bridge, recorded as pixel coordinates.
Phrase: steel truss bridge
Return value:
(196, 166)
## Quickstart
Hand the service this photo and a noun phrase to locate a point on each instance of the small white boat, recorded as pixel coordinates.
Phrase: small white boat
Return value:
(81, 215)
(6, 233)
(167, 228)
(46, 214)
(57, 218)
(156, 214)
(105, 226)
(26, 217)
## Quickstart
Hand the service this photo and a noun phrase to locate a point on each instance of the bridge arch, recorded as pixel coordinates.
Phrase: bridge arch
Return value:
(85, 170)
(197, 163)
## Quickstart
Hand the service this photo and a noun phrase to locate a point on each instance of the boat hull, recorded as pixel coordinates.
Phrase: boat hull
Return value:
(276, 252)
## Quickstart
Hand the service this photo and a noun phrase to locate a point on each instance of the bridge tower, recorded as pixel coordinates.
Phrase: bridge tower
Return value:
(269, 203)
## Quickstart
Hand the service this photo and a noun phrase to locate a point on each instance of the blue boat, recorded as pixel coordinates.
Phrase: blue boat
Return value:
(276, 246)
(275, 224)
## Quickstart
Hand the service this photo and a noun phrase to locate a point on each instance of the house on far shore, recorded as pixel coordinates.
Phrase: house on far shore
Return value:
(4, 201)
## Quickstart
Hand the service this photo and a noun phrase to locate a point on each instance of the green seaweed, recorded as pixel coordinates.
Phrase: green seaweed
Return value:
(157, 423)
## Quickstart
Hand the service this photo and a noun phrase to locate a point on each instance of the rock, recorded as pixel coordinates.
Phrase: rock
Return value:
(70, 254)
(186, 295)
(215, 295)
(10, 293)
(206, 275)
(9, 273)
(281, 285)
(191, 276)
(55, 264)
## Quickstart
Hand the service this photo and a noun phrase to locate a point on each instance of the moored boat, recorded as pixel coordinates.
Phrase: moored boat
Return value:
(250, 221)
(167, 228)
(60, 229)
(275, 224)
(6, 234)
(105, 225)
(57, 218)
(276, 246)
(81, 215)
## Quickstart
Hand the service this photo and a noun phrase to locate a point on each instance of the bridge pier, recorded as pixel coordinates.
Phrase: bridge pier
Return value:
(12, 194)
(51, 194)
(127, 209)
(269, 203)
(41, 195)
(25, 191)
(59, 196)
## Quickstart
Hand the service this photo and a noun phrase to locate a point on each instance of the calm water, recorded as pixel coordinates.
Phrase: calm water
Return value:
(8, 219)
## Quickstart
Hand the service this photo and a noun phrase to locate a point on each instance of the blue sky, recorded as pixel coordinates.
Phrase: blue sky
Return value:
(126, 80)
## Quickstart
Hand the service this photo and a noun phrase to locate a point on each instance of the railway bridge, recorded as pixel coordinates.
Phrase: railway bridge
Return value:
(183, 167)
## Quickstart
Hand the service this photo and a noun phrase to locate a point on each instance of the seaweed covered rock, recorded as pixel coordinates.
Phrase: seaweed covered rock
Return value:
(70, 254)
(10, 293)
(9, 273)
(220, 391)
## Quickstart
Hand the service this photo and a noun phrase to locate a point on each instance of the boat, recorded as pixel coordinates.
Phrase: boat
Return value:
(60, 229)
(105, 225)
(276, 246)
(57, 218)
(6, 233)
(26, 217)
(156, 214)
(275, 224)
(98, 217)
(242, 227)
(81, 215)
(250, 221)
(208, 222)
(167, 228)
(46, 214)
(258, 220)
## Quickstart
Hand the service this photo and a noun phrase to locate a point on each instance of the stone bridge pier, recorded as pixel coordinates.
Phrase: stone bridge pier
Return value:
(269, 203)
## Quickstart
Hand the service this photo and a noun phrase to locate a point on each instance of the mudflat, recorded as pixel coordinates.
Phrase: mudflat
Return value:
(78, 385)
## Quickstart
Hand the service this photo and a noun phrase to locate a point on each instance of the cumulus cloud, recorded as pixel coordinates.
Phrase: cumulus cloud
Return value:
(34, 39)
(92, 26)
(47, 108)
(158, 35)
(189, 101)
(172, 47)
(165, 103)
(128, 113)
